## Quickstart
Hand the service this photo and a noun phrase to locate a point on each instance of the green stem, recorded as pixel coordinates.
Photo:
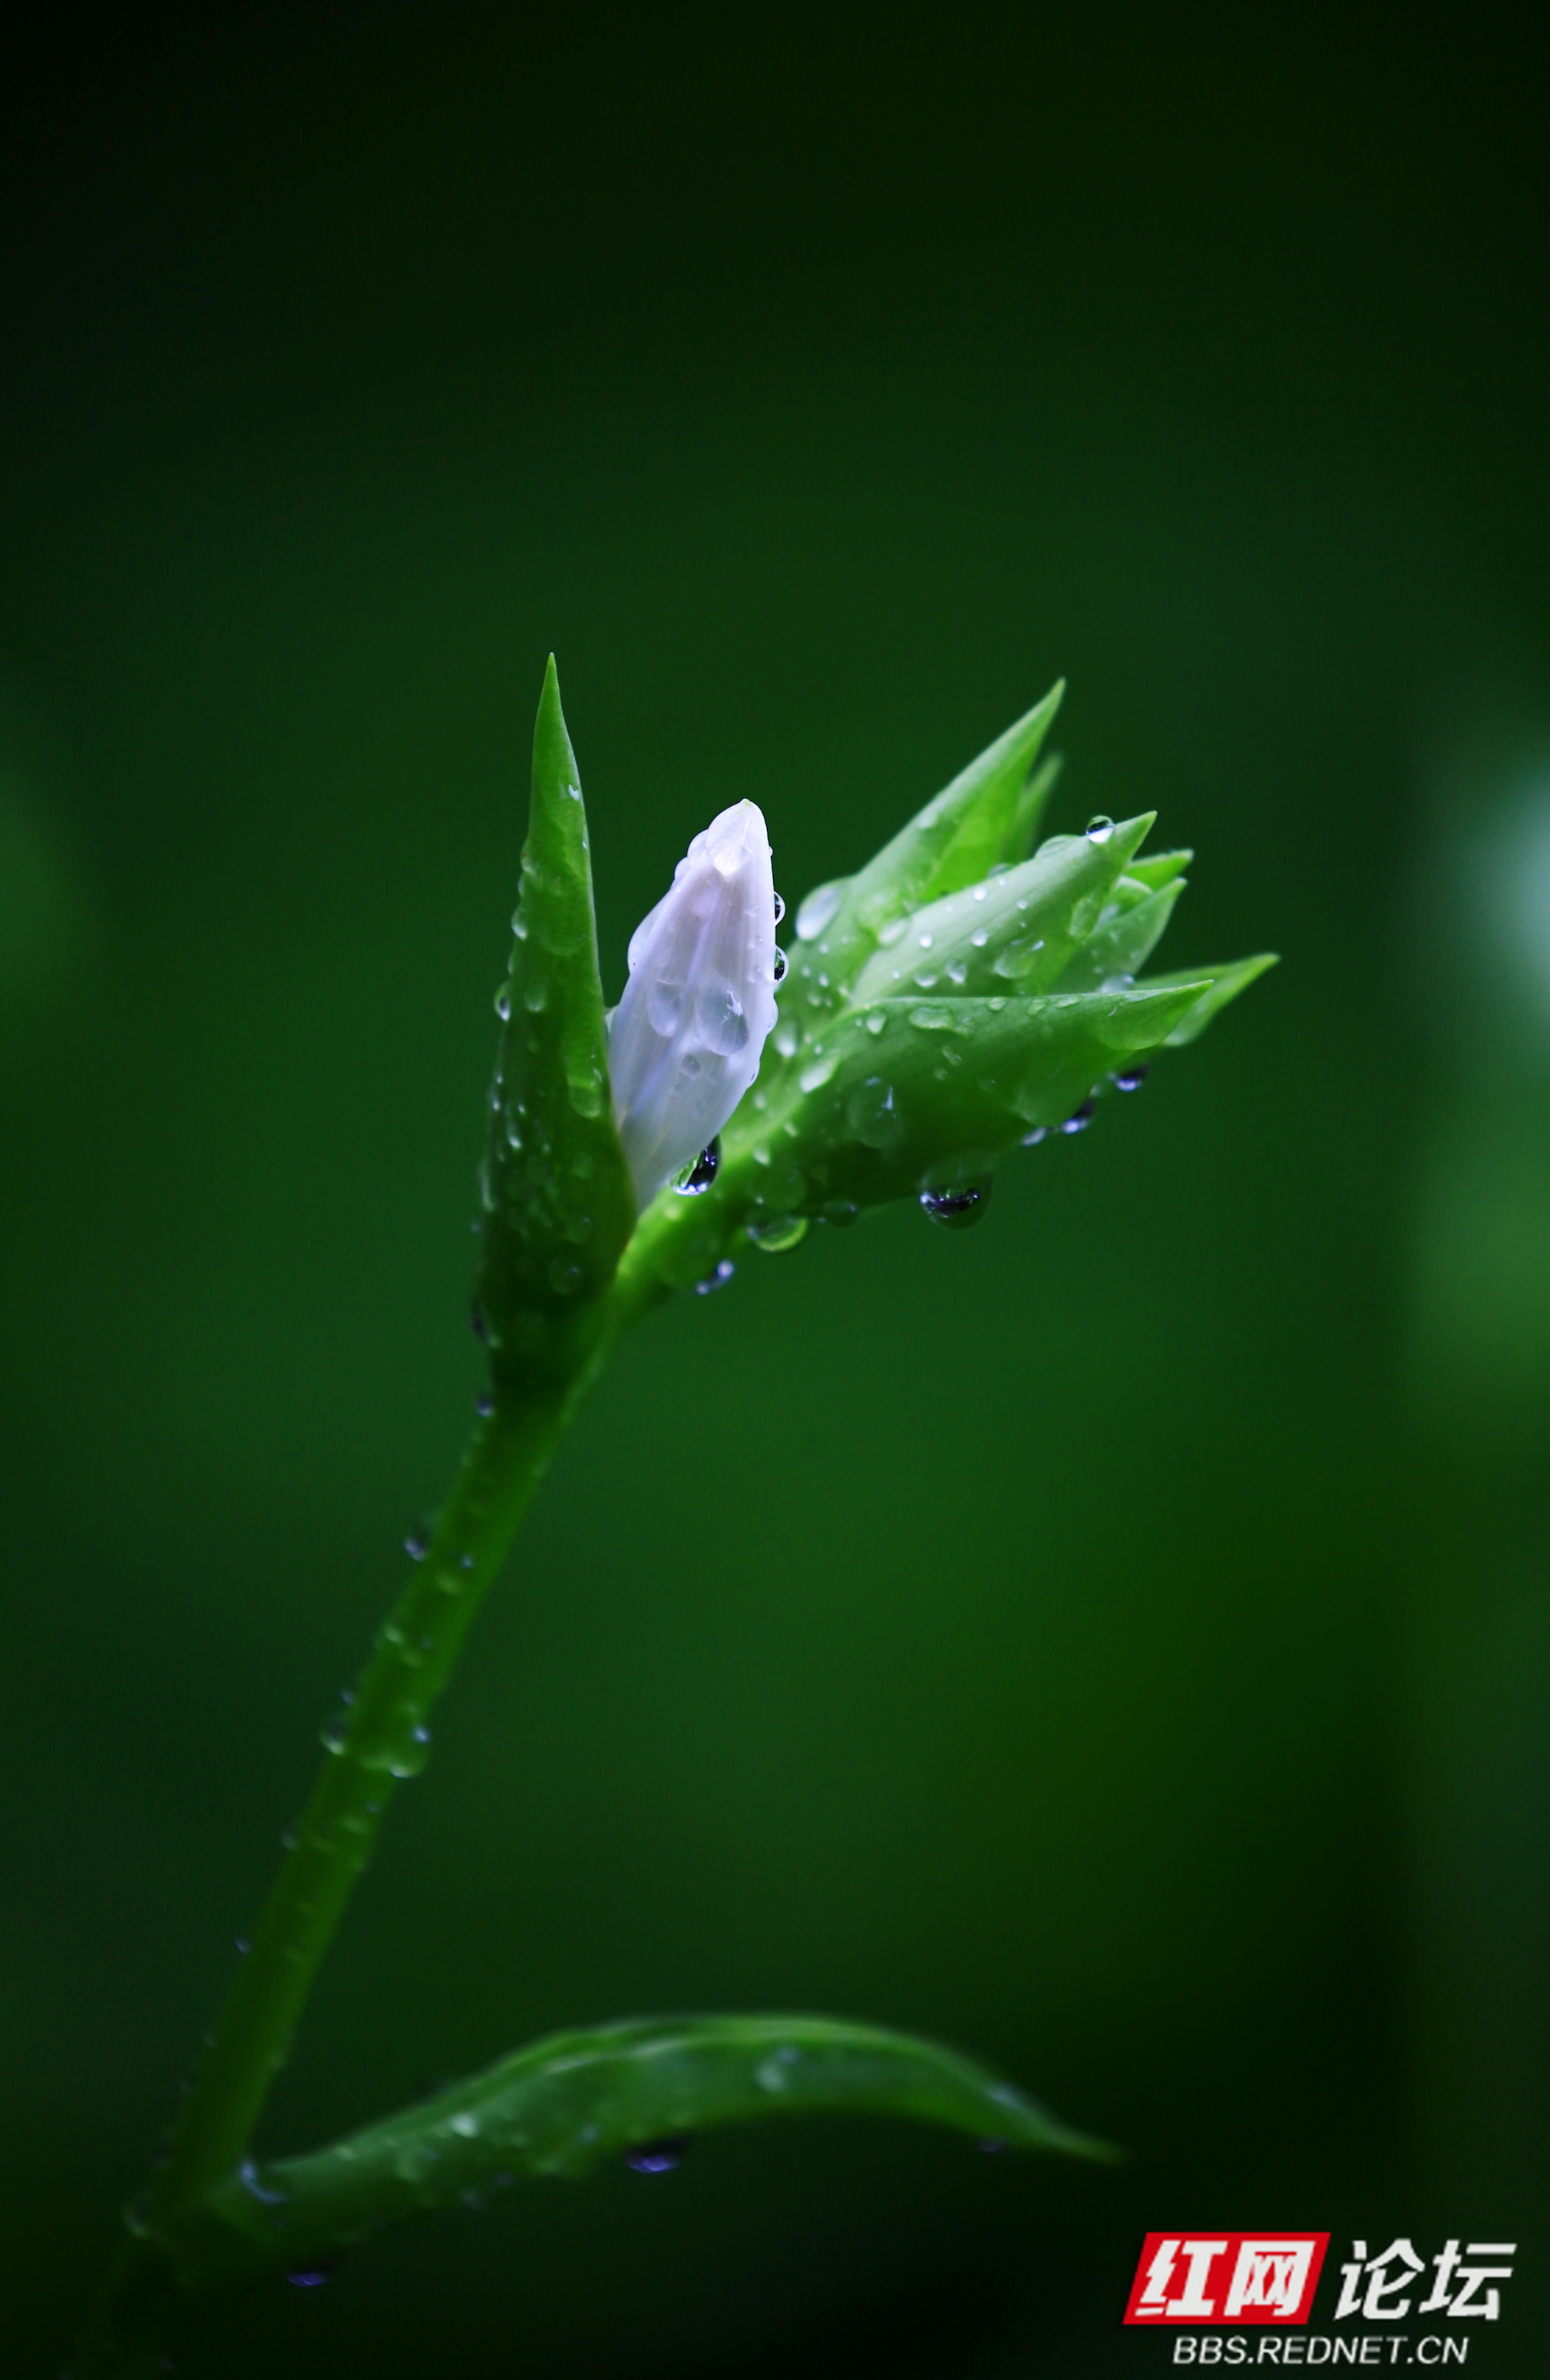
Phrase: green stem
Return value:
(383, 1738)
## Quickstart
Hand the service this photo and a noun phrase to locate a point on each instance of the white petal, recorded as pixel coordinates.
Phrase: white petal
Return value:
(689, 1032)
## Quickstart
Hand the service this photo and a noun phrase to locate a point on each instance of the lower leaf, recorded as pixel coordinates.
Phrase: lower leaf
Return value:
(563, 2105)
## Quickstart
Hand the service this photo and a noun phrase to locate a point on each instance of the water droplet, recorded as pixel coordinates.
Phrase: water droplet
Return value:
(503, 1002)
(875, 1020)
(980, 890)
(477, 1324)
(658, 2156)
(536, 995)
(840, 1213)
(1081, 1117)
(892, 932)
(775, 1234)
(243, 1947)
(311, 2277)
(957, 971)
(519, 925)
(785, 1040)
(980, 937)
(697, 1178)
(932, 1020)
(1099, 829)
(466, 2126)
(780, 964)
(779, 908)
(417, 1544)
(664, 1006)
(717, 1279)
(873, 1115)
(1131, 1078)
(1032, 1139)
(956, 1210)
(818, 910)
(484, 1406)
(813, 1077)
(334, 1736)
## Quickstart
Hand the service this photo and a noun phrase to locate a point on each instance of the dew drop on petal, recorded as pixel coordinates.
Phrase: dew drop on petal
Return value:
(697, 1178)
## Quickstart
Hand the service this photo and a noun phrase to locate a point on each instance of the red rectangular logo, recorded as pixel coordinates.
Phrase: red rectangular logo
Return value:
(1205, 2276)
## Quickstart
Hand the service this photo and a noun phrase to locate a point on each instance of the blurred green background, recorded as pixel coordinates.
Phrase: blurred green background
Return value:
(1114, 1640)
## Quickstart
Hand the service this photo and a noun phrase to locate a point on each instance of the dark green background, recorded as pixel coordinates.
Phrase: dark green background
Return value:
(1114, 1641)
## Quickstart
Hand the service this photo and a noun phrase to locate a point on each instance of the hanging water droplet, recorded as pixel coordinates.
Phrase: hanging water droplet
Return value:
(484, 1406)
(1099, 829)
(957, 1210)
(779, 967)
(817, 911)
(1131, 1078)
(417, 1544)
(658, 2156)
(779, 908)
(717, 1279)
(775, 1234)
(503, 1002)
(697, 1178)
(332, 1736)
(1032, 1139)
(1081, 1117)
(309, 2276)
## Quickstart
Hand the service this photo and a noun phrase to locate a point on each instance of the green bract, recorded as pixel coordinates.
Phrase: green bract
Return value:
(553, 1184)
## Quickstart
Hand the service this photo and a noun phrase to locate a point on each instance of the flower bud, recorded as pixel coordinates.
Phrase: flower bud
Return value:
(689, 1032)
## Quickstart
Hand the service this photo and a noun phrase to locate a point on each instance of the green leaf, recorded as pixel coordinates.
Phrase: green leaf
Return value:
(962, 833)
(1122, 946)
(1019, 929)
(554, 1187)
(564, 2104)
(1225, 984)
(1159, 867)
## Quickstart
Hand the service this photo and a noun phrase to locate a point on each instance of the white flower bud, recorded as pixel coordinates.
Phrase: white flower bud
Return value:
(689, 1032)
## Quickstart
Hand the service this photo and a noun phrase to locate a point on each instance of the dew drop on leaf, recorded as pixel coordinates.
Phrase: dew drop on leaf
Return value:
(818, 910)
(775, 1234)
(658, 2156)
(1099, 829)
(957, 1211)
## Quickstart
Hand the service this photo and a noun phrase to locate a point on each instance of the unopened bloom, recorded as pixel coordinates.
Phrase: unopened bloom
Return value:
(688, 1034)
